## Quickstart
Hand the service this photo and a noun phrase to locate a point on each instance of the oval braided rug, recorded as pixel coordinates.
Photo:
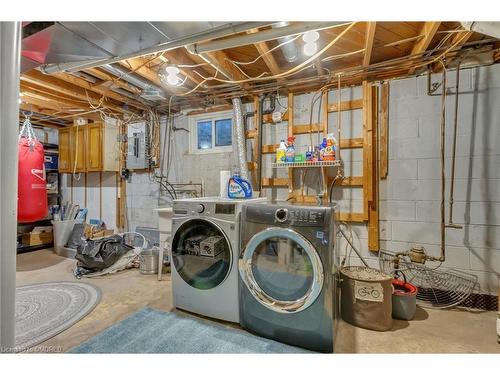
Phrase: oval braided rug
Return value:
(44, 310)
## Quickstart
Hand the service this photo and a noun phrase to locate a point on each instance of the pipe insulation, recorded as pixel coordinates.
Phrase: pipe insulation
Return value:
(486, 28)
(240, 140)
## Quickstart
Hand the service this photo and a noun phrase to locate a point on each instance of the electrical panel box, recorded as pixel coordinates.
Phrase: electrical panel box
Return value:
(138, 144)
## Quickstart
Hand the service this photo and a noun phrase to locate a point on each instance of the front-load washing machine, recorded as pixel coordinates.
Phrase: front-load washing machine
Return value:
(287, 267)
(204, 254)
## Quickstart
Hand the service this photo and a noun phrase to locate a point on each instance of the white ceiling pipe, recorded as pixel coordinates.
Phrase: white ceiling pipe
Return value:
(486, 28)
(261, 36)
(214, 33)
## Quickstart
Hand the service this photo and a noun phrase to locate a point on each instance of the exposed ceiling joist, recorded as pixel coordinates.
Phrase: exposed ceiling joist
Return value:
(369, 38)
(267, 56)
(428, 31)
(80, 82)
(53, 83)
(111, 81)
(220, 60)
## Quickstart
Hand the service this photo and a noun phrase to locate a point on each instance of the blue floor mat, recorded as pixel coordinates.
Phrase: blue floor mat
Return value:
(154, 331)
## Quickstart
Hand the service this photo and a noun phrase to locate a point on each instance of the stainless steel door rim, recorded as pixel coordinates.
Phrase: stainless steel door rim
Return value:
(245, 269)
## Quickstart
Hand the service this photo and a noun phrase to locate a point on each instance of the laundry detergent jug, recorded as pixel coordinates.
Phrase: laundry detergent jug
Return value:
(238, 188)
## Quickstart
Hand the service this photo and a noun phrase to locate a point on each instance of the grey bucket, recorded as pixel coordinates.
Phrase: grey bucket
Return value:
(148, 261)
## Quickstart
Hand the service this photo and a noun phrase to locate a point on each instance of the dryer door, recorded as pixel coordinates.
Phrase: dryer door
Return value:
(282, 270)
(201, 253)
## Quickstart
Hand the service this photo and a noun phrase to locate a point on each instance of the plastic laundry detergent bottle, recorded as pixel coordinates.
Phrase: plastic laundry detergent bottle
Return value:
(290, 150)
(238, 188)
(281, 152)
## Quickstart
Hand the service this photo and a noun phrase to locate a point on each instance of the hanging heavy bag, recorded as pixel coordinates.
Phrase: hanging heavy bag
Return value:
(32, 187)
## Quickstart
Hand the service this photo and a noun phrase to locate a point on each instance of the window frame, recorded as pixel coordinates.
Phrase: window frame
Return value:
(193, 132)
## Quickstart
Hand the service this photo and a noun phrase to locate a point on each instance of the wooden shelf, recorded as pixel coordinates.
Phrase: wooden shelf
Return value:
(308, 164)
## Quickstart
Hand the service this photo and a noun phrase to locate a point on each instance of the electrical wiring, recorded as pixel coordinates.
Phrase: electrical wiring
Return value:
(299, 66)
(234, 62)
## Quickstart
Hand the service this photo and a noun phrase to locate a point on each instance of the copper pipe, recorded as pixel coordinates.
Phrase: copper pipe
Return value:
(452, 184)
(443, 182)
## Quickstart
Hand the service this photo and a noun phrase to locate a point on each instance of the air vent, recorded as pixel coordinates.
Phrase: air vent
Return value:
(152, 93)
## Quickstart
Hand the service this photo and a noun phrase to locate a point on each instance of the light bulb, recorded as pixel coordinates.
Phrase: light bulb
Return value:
(310, 36)
(172, 69)
(310, 48)
(19, 100)
(172, 79)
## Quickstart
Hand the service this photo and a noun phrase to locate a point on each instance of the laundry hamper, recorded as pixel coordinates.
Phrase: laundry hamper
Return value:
(366, 298)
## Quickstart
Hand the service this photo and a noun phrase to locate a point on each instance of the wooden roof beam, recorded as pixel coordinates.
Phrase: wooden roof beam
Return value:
(428, 31)
(220, 59)
(369, 38)
(77, 81)
(267, 56)
(110, 80)
(59, 86)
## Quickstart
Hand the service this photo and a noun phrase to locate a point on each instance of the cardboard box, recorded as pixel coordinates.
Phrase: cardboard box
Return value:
(40, 238)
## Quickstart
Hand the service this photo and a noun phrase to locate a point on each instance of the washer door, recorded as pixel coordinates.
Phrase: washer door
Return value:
(282, 270)
(201, 253)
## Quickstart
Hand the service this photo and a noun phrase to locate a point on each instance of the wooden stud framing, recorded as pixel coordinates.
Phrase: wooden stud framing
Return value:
(373, 214)
(346, 106)
(291, 192)
(256, 139)
(384, 130)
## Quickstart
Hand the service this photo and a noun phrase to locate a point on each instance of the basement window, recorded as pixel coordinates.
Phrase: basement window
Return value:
(211, 132)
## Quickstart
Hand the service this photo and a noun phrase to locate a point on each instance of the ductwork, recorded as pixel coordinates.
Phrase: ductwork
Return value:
(289, 47)
(261, 36)
(107, 45)
(126, 75)
(486, 28)
(239, 132)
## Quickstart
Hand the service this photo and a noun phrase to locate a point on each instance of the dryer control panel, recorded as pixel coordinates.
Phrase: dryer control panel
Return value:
(287, 215)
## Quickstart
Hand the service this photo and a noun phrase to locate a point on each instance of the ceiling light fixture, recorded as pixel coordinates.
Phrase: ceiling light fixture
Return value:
(172, 77)
(310, 46)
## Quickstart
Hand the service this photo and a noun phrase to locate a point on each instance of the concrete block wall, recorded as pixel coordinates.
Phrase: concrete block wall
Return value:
(410, 197)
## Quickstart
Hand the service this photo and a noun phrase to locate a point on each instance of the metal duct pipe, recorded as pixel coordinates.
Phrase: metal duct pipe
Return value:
(486, 28)
(217, 32)
(241, 149)
(10, 55)
(261, 36)
(128, 76)
(290, 50)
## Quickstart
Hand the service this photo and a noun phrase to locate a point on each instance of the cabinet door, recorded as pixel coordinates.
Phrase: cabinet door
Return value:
(94, 147)
(78, 149)
(64, 151)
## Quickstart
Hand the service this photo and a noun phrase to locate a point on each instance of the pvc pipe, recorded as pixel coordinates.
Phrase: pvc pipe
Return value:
(10, 52)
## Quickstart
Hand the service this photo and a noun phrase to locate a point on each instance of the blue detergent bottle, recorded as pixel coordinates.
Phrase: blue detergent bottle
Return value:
(238, 188)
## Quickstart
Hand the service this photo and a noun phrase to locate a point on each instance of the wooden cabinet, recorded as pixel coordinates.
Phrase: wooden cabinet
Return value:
(64, 151)
(92, 147)
(78, 148)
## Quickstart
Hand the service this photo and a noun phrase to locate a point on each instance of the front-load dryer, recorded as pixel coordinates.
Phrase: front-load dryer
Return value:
(204, 254)
(287, 267)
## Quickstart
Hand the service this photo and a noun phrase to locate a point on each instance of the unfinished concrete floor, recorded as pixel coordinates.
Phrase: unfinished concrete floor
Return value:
(432, 331)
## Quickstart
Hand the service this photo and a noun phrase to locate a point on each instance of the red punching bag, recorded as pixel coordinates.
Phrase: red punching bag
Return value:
(32, 187)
